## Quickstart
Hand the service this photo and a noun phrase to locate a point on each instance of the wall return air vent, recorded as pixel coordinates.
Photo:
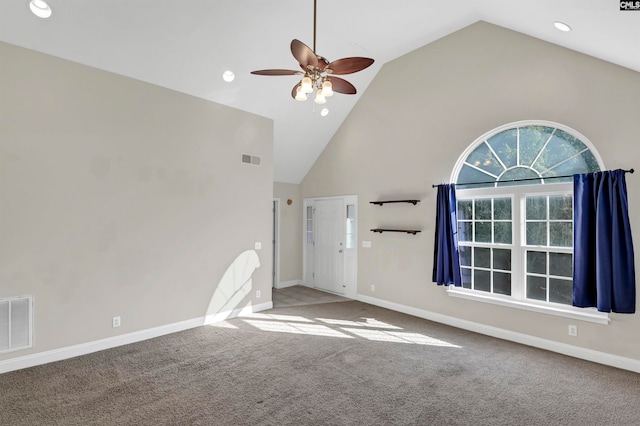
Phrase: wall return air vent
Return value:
(16, 321)
(251, 159)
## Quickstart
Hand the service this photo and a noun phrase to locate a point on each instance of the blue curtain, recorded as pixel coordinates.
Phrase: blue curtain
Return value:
(446, 260)
(603, 266)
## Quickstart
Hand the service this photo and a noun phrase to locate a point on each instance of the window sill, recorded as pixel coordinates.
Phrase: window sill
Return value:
(582, 314)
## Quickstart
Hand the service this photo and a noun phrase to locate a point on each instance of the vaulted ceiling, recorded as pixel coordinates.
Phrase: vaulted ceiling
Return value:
(186, 45)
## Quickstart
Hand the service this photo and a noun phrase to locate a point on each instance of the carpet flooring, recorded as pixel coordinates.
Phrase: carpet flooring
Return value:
(345, 363)
(299, 295)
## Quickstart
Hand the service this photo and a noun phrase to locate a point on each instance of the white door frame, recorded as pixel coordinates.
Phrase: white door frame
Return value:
(351, 254)
(275, 274)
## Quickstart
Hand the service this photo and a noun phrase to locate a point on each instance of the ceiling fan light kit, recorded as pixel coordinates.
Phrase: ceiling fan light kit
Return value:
(318, 73)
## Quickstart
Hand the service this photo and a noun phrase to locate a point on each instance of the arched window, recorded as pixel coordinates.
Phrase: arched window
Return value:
(515, 211)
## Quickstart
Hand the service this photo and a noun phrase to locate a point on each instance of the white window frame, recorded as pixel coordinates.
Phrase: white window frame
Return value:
(518, 194)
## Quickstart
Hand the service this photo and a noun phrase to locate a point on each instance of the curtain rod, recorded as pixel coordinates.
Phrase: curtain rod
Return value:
(521, 180)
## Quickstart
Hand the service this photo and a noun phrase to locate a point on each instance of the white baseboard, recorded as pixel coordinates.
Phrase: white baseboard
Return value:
(525, 339)
(124, 339)
(285, 284)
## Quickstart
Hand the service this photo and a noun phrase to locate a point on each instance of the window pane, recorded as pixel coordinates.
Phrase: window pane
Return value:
(561, 264)
(537, 208)
(351, 232)
(483, 209)
(351, 241)
(537, 262)
(561, 234)
(537, 233)
(502, 283)
(519, 173)
(532, 139)
(469, 175)
(576, 165)
(465, 231)
(465, 209)
(483, 232)
(562, 146)
(502, 232)
(564, 137)
(536, 288)
(483, 158)
(502, 209)
(465, 256)
(466, 277)
(481, 280)
(590, 161)
(502, 259)
(560, 207)
(505, 146)
(482, 257)
(561, 291)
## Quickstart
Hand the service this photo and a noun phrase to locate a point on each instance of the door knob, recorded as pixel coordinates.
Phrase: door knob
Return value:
(340, 251)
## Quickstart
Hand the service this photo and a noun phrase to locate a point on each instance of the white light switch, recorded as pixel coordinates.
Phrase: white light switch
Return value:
(366, 244)
(258, 246)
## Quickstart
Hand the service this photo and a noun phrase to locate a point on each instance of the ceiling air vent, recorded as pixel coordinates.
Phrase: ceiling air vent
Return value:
(251, 159)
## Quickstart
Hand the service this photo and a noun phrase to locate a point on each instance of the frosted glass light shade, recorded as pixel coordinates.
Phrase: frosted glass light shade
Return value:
(300, 95)
(306, 85)
(320, 97)
(327, 88)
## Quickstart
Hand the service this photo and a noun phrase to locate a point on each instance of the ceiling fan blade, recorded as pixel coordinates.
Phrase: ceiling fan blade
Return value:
(342, 86)
(303, 54)
(276, 72)
(349, 65)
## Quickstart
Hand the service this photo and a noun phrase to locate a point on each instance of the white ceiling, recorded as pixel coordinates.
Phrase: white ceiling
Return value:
(186, 45)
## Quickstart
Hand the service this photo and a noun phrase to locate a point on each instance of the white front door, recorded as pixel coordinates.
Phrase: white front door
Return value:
(329, 221)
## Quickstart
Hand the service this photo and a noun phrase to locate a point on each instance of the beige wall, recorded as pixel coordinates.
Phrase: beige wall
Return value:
(418, 116)
(120, 198)
(290, 231)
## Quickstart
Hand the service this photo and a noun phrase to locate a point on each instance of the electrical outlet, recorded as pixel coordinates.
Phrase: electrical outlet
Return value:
(573, 330)
(116, 322)
(373, 288)
(258, 245)
(258, 294)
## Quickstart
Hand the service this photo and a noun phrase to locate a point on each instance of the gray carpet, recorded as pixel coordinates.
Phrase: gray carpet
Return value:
(345, 363)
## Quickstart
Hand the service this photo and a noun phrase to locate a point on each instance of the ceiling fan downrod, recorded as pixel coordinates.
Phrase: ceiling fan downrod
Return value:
(315, 11)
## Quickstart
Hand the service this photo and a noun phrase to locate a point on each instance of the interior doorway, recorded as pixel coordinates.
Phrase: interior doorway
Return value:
(275, 244)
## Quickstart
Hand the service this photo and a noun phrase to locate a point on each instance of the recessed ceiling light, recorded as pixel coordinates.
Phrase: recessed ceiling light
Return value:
(228, 76)
(324, 112)
(562, 26)
(40, 8)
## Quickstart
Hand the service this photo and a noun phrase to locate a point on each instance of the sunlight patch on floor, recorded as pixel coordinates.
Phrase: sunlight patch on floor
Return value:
(398, 337)
(279, 317)
(368, 328)
(293, 328)
(368, 322)
(223, 324)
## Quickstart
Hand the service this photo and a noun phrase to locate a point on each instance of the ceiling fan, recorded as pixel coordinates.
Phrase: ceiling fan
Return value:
(318, 73)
